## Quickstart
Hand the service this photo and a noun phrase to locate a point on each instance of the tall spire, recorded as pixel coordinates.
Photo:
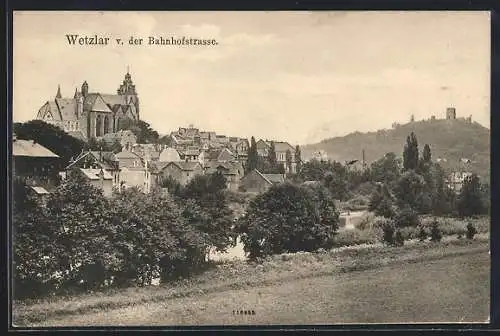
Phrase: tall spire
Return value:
(58, 95)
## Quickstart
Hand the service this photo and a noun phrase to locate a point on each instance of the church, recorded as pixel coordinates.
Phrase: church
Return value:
(92, 114)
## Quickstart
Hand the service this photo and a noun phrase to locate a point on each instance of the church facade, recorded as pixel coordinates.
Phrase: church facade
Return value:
(92, 114)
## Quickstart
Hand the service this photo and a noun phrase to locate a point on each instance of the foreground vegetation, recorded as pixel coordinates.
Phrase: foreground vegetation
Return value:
(81, 241)
(278, 270)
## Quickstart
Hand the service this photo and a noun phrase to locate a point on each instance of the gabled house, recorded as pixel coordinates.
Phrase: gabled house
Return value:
(182, 171)
(169, 155)
(455, 180)
(281, 149)
(232, 171)
(135, 171)
(256, 182)
(220, 155)
(100, 168)
(35, 165)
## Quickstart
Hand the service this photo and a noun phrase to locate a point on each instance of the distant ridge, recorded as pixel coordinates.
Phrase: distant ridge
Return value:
(451, 140)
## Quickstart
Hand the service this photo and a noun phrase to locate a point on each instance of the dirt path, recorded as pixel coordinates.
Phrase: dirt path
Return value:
(452, 289)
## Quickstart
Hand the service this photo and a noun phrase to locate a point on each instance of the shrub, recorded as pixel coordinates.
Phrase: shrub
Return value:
(436, 233)
(422, 233)
(471, 231)
(365, 222)
(388, 233)
(406, 217)
(399, 239)
(356, 237)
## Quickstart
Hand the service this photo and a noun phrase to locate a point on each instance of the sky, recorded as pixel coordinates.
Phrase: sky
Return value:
(299, 77)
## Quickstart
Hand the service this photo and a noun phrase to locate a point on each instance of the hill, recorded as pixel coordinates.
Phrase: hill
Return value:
(451, 140)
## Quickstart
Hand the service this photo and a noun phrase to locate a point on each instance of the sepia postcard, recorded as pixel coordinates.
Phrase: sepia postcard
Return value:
(250, 168)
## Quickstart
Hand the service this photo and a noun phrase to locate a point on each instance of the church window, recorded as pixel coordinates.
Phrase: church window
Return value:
(106, 125)
(98, 123)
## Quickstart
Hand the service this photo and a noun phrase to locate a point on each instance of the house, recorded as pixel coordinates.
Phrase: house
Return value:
(241, 148)
(98, 177)
(35, 165)
(126, 138)
(281, 149)
(256, 182)
(135, 171)
(455, 180)
(90, 163)
(220, 155)
(149, 151)
(182, 171)
(190, 154)
(232, 171)
(169, 155)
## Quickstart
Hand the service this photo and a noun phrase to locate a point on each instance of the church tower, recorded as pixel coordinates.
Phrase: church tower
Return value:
(127, 89)
(85, 89)
(58, 94)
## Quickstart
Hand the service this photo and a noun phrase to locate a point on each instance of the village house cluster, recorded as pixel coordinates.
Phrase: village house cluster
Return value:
(191, 152)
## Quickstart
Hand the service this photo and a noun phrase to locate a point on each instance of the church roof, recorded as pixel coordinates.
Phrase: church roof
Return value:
(67, 108)
(95, 102)
(113, 100)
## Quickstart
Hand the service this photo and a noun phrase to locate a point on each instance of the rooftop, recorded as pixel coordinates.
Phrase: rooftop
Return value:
(31, 148)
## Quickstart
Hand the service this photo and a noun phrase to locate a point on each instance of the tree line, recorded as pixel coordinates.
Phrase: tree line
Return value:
(80, 240)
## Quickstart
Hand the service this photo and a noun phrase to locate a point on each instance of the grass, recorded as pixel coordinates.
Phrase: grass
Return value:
(238, 275)
(450, 289)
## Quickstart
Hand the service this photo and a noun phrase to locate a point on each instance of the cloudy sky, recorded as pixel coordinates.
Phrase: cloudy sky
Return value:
(294, 76)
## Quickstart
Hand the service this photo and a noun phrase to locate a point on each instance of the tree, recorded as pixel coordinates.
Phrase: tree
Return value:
(51, 137)
(271, 155)
(116, 147)
(148, 231)
(426, 155)
(410, 153)
(443, 198)
(287, 218)
(386, 170)
(79, 213)
(213, 218)
(470, 199)
(141, 129)
(409, 190)
(381, 202)
(252, 157)
(298, 158)
(288, 158)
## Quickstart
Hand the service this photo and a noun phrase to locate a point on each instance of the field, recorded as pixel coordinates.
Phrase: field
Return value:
(444, 282)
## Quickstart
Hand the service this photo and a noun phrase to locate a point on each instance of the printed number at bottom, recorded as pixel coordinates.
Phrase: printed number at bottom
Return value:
(243, 312)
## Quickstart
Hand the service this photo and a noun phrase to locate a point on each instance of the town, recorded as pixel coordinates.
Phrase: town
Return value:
(102, 200)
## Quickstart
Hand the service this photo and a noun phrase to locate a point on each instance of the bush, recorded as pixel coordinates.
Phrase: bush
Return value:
(399, 239)
(422, 233)
(365, 222)
(471, 231)
(356, 237)
(436, 234)
(388, 233)
(406, 217)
